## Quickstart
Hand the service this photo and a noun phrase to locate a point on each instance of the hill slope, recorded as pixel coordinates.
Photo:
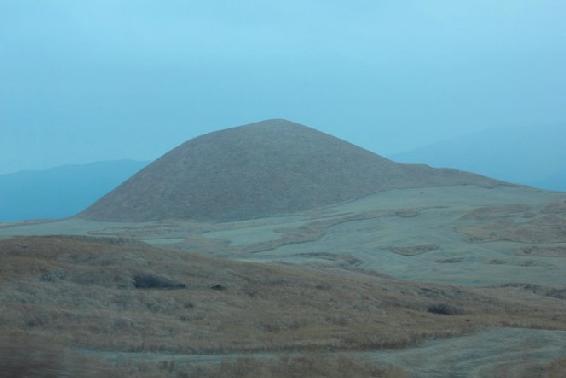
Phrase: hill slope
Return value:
(99, 294)
(60, 192)
(262, 169)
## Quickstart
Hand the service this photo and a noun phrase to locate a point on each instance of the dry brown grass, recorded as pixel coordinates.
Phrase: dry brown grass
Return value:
(518, 223)
(32, 357)
(311, 365)
(25, 356)
(79, 292)
(557, 369)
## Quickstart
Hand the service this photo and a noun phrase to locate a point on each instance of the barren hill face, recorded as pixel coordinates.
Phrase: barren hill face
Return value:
(259, 170)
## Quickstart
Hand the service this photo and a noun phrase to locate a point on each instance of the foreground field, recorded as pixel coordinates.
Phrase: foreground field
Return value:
(36, 357)
(113, 295)
(494, 352)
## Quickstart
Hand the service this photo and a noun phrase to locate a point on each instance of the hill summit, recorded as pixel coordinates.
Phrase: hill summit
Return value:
(262, 169)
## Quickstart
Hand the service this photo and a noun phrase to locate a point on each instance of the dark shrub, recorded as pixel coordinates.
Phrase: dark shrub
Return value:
(444, 309)
(149, 281)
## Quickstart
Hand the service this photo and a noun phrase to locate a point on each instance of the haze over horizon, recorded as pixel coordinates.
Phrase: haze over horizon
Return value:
(105, 80)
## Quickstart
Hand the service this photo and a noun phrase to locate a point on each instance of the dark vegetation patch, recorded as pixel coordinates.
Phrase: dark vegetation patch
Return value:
(497, 262)
(444, 309)
(414, 250)
(544, 250)
(523, 263)
(407, 213)
(151, 281)
(451, 260)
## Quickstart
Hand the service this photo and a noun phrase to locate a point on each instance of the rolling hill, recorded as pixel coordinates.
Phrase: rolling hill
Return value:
(262, 169)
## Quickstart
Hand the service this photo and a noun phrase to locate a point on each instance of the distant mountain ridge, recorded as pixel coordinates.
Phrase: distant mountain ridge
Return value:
(262, 169)
(555, 181)
(62, 191)
(534, 156)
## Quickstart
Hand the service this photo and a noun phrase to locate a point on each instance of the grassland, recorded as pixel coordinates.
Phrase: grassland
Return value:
(84, 294)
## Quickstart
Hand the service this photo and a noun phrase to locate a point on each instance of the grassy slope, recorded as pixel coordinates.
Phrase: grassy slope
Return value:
(79, 291)
(259, 170)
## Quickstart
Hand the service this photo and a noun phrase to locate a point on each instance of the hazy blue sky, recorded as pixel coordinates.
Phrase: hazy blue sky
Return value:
(96, 80)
